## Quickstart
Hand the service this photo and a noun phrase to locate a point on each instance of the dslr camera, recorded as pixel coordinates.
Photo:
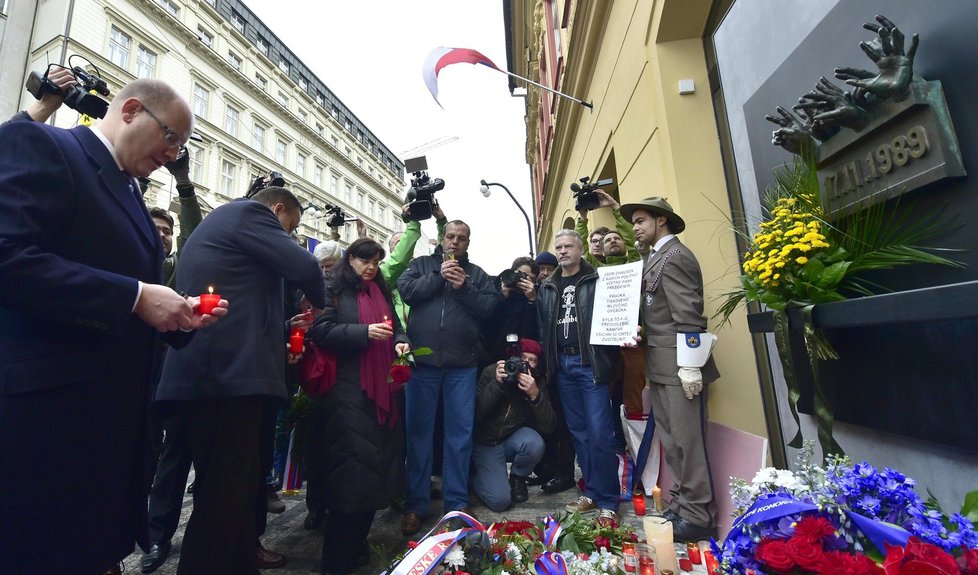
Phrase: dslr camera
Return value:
(77, 97)
(514, 364)
(421, 196)
(262, 182)
(585, 196)
(510, 278)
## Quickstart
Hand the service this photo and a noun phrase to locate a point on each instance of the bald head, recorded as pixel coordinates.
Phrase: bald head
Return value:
(146, 123)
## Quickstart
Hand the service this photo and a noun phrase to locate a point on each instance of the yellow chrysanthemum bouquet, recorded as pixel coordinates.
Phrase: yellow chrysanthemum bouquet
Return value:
(798, 258)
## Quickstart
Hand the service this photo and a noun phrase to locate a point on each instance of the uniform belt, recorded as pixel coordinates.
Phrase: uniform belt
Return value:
(570, 350)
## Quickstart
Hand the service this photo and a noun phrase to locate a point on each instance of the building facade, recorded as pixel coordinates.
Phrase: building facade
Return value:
(258, 108)
(627, 59)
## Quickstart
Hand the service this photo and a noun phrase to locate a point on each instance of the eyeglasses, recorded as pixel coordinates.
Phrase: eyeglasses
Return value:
(369, 263)
(169, 135)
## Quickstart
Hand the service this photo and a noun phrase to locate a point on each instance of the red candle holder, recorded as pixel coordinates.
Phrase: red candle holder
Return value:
(296, 340)
(694, 553)
(208, 301)
(638, 502)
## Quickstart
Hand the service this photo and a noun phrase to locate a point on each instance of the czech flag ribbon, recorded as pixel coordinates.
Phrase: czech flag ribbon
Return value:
(442, 56)
(552, 531)
(551, 563)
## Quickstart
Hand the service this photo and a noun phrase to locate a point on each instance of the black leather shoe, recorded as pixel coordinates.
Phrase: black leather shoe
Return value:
(314, 520)
(535, 480)
(158, 552)
(517, 488)
(683, 530)
(558, 484)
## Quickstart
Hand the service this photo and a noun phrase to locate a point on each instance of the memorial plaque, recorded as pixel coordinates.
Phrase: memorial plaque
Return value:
(909, 144)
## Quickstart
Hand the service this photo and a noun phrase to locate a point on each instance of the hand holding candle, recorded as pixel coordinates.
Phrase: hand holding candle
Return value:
(208, 301)
(389, 322)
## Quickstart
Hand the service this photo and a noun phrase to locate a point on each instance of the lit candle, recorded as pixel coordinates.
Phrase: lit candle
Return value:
(389, 322)
(296, 340)
(646, 559)
(628, 552)
(638, 502)
(657, 499)
(694, 553)
(712, 565)
(208, 301)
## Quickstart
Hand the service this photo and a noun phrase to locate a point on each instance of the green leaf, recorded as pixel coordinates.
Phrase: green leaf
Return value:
(422, 351)
(970, 507)
(833, 274)
(812, 270)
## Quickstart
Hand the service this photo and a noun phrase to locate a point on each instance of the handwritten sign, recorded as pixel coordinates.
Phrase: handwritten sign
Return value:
(616, 303)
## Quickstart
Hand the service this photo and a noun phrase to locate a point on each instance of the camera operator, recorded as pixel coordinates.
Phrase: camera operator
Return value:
(622, 226)
(511, 412)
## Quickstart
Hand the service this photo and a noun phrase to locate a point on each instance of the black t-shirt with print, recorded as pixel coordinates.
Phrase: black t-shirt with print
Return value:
(566, 324)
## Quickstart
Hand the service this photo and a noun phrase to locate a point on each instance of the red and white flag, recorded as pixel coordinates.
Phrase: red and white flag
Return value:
(442, 56)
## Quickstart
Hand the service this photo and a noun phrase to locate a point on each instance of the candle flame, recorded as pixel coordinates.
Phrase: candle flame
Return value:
(385, 318)
(210, 289)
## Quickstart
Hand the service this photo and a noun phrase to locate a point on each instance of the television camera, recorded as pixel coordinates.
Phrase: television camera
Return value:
(586, 198)
(262, 182)
(421, 196)
(77, 97)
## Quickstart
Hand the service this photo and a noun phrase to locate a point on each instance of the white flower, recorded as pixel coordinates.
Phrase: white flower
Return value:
(513, 553)
(455, 557)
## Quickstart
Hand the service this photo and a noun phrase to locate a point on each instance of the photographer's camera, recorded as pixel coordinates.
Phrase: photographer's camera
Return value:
(511, 278)
(514, 364)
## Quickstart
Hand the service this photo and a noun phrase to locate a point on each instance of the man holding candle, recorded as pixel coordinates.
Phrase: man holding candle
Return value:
(78, 330)
(222, 382)
(449, 297)
(672, 303)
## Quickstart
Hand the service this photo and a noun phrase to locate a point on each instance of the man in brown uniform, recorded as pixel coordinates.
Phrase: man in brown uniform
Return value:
(672, 303)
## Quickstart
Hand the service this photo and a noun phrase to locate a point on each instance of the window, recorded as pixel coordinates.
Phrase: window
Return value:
(145, 63)
(258, 137)
(300, 164)
(119, 47)
(349, 152)
(348, 193)
(283, 99)
(303, 83)
(234, 60)
(196, 163)
(231, 120)
(283, 66)
(317, 176)
(169, 6)
(262, 45)
(204, 36)
(360, 201)
(360, 162)
(280, 149)
(213, 3)
(371, 207)
(261, 81)
(336, 112)
(201, 97)
(320, 99)
(238, 22)
(320, 130)
(334, 186)
(336, 141)
(303, 116)
(227, 178)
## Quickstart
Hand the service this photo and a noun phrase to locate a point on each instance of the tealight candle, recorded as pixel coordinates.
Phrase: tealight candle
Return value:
(657, 499)
(208, 301)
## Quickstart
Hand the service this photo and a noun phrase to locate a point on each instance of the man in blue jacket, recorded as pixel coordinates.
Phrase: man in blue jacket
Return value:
(449, 297)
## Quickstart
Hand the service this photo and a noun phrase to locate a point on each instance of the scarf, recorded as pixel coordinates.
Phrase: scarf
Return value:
(376, 360)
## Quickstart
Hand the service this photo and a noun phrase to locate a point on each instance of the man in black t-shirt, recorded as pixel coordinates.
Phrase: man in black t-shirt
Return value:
(581, 372)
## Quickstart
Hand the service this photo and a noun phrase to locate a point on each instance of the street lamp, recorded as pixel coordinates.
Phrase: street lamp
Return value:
(484, 188)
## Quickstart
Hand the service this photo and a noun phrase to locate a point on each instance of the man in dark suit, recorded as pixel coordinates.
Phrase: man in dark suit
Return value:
(672, 303)
(80, 307)
(222, 381)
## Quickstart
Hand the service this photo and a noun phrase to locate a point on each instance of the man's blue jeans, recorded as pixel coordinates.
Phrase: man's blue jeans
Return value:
(457, 389)
(524, 448)
(587, 409)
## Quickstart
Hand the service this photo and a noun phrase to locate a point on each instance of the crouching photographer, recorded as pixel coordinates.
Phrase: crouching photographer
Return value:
(511, 412)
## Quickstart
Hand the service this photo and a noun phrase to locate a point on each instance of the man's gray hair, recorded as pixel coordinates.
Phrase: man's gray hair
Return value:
(571, 233)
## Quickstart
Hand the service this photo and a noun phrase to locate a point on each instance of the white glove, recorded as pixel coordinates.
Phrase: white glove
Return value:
(692, 379)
